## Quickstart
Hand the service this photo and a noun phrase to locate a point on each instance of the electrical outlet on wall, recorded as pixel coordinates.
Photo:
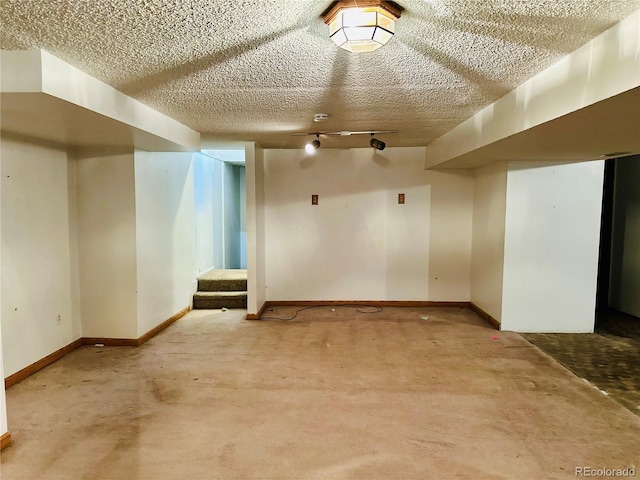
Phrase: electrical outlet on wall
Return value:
(58, 320)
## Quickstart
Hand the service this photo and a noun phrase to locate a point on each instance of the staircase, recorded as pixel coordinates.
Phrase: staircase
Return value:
(221, 289)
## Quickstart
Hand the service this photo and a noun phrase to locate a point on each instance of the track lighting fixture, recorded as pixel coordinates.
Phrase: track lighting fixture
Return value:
(311, 147)
(377, 144)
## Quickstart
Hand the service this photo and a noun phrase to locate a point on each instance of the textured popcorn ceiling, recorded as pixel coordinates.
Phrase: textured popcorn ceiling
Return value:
(259, 70)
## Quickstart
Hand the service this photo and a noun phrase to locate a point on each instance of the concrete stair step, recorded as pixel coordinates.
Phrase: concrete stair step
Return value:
(215, 300)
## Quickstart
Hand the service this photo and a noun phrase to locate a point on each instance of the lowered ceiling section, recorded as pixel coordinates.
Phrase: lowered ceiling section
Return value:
(46, 99)
(581, 108)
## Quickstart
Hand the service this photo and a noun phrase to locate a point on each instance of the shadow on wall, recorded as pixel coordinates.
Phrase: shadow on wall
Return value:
(331, 172)
(380, 159)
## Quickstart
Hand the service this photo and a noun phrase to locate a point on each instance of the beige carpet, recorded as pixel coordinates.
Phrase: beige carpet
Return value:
(331, 395)
(220, 274)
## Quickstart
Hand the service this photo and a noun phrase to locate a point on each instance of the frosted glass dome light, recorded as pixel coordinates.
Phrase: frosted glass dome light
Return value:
(362, 25)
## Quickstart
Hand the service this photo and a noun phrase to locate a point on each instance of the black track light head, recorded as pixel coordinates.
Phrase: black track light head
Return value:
(377, 144)
(311, 147)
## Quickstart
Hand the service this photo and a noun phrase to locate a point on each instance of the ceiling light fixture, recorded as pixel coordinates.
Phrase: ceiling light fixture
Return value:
(362, 25)
(311, 147)
(344, 133)
(377, 144)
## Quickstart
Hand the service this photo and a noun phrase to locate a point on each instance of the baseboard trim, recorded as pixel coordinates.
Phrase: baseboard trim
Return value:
(256, 316)
(374, 303)
(156, 330)
(40, 364)
(110, 342)
(107, 342)
(490, 320)
(359, 303)
(5, 441)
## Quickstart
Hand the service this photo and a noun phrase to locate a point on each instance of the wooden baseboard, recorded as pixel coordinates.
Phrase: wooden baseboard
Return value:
(110, 342)
(107, 342)
(357, 303)
(5, 441)
(490, 320)
(135, 342)
(154, 331)
(40, 364)
(362, 303)
(256, 316)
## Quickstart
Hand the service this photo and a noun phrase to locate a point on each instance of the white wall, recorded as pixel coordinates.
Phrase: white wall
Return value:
(231, 216)
(107, 245)
(38, 236)
(260, 227)
(625, 272)
(256, 264)
(489, 207)
(358, 243)
(551, 246)
(3, 400)
(243, 219)
(451, 217)
(203, 189)
(74, 247)
(218, 213)
(166, 242)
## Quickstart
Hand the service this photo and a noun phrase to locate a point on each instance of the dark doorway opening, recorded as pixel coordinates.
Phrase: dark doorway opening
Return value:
(618, 288)
(606, 233)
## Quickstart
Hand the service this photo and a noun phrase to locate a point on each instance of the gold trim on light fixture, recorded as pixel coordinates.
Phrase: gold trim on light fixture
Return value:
(361, 25)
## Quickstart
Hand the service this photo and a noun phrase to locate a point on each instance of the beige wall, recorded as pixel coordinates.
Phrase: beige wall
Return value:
(39, 255)
(3, 399)
(552, 236)
(165, 236)
(255, 206)
(489, 206)
(105, 242)
(358, 243)
(107, 245)
(450, 234)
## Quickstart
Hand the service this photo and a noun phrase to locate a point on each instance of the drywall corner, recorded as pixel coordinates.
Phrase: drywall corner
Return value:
(255, 212)
(487, 257)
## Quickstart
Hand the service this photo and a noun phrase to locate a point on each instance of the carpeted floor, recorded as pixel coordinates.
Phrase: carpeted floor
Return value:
(221, 274)
(405, 393)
